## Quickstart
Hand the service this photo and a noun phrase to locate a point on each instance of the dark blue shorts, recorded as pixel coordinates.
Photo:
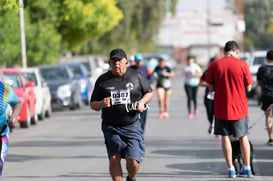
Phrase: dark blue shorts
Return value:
(126, 140)
(235, 128)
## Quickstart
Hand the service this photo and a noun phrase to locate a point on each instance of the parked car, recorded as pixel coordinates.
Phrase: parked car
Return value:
(246, 56)
(64, 87)
(24, 90)
(41, 90)
(258, 59)
(83, 76)
(94, 65)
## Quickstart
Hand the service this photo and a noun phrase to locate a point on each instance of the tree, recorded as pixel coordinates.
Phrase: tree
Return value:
(9, 37)
(259, 20)
(54, 27)
(7, 5)
(137, 30)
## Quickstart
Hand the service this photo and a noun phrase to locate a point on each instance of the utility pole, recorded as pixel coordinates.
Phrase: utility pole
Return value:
(23, 38)
(209, 29)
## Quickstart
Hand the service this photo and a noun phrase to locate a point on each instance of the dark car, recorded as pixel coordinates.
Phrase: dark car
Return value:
(63, 85)
(83, 76)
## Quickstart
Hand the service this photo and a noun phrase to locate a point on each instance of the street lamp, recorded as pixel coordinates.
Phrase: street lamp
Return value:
(23, 38)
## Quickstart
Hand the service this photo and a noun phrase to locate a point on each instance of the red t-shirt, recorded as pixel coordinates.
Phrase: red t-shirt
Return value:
(229, 76)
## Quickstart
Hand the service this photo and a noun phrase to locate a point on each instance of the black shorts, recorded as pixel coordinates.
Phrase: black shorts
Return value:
(266, 102)
(235, 128)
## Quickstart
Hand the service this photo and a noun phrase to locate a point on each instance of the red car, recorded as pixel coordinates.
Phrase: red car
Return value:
(24, 90)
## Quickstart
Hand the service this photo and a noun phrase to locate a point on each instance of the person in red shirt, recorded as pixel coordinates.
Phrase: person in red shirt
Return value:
(229, 77)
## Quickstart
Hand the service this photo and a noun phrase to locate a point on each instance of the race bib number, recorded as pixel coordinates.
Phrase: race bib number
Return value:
(120, 97)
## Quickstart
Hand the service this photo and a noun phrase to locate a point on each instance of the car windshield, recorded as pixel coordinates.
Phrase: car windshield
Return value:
(13, 80)
(54, 73)
(30, 76)
(87, 66)
(76, 70)
(259, 61)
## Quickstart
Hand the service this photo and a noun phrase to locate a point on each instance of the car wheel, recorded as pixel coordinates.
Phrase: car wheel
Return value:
(26, 123)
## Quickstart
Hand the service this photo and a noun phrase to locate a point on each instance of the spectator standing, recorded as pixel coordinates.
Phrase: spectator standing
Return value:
(192, 73)
(148, 74)
(229, 77)
(163, 74)
(265, 80)
(115, 93)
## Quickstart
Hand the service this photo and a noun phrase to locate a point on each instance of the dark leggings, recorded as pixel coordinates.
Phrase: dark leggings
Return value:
(191, 96)
(209, 108)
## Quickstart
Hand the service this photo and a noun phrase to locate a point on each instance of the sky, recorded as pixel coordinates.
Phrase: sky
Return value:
(200, 4)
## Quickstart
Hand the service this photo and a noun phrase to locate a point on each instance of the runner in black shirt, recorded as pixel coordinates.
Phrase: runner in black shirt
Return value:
(265, 80)
(121, 94)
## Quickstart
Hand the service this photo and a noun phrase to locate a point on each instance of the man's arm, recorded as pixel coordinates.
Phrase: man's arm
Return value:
(211, 87)
(144, 100)
(16, 110)
(248, 87)
(98, 105)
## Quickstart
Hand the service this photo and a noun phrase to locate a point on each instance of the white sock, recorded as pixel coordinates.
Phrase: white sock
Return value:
(232, 168)
(246, 167)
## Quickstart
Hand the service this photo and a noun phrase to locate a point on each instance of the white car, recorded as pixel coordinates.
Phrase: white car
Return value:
(41, 90)
(258, 59)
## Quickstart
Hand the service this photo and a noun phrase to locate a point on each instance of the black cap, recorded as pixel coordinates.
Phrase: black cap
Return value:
(118, 53)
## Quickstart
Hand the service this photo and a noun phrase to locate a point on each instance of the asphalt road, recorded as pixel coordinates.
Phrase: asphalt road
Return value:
(69, 146)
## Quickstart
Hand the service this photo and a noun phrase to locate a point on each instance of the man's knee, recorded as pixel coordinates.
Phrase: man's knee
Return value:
(132, 162)
(115, 159)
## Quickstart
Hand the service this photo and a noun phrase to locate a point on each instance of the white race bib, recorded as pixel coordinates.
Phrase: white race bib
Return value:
(120, 97)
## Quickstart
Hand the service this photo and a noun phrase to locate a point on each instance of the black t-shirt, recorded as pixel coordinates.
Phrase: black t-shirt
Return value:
(160, 78)
(203, 77)
(123, 90)
(265, 76)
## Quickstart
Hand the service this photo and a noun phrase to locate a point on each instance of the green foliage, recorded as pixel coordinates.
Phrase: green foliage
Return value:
(10, 48)
(43, 43)
(137, 30)
(7, 5)
(96, 18)
(258, 16)
(88, 26)
(53, 27)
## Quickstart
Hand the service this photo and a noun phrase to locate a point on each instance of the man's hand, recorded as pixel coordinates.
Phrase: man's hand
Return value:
(140, 106)
(106, 102)
(13, 122)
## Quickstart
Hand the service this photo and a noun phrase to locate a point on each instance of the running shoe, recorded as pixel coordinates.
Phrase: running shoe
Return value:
(246, 173)
(195, 112)
(232, 173)
(161, 115)
(190, 115)
(128, 179)
(166, 115)
(270, 142)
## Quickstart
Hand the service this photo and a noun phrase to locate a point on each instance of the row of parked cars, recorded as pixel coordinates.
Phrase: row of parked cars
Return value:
(255, 60)
(43, 89)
